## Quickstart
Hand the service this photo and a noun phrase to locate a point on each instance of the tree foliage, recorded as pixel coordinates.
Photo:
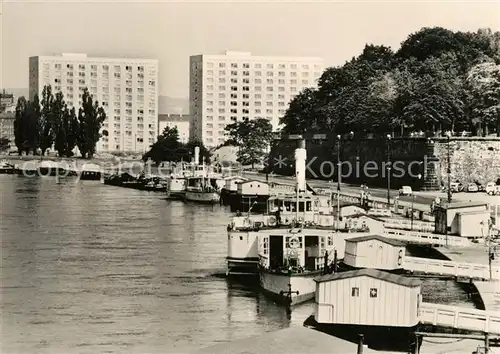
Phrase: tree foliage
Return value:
(168, 148)
(430, 84)
(252, 137)
(49, 122)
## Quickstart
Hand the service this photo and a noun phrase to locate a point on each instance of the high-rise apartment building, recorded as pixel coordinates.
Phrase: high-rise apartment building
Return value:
(126, 88)
(236, 85)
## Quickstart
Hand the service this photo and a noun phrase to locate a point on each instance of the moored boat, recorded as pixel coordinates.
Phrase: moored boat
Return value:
(6, 167)
(290, 244)
(202, 190)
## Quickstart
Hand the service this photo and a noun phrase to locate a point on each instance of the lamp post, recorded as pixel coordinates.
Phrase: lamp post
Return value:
(419, 176)
(448, 169)
(338, 179)
(388, 171)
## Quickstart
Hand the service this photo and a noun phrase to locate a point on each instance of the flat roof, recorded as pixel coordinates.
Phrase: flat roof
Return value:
(293, 340)
(372, 273)
(383, 239)
(358, 215)
(459, 205)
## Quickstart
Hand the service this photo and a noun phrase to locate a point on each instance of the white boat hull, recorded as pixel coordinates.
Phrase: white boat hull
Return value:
(276, 286)
(202, 197)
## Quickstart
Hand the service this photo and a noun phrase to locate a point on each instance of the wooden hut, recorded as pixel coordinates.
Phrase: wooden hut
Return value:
(374, 251)
(367, 297)
(462, 218)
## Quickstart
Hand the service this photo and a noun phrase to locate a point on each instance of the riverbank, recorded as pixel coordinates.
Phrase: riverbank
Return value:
(487, 291)
(300, 340)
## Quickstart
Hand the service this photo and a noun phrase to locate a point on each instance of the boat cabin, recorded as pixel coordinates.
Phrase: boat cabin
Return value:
(374, 251)
(364, 223)
(201, 184)
(367, 297)
(253, 187)
(295, 251)
(348, 210)
(231, 183)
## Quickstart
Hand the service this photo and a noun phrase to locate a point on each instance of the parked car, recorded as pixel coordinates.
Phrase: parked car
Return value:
(405, 190)
(472, 188)
(456, 187)
(491, 188)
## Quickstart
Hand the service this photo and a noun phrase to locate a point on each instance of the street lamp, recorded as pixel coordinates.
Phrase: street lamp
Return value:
(448, 170)
(419, 176)
(388, 171)
(338, 179)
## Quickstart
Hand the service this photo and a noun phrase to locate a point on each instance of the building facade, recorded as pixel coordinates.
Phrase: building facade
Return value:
(6, 101)
(126, 88)
(181, 121)
(7, 126)
(237, 85)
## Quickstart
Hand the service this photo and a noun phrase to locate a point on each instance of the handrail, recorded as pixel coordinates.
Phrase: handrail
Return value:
(459, 317)
(437, 266)
(423, 237)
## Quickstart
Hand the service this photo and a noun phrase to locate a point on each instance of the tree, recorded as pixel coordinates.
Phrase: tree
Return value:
(166, 148)
(483, 82)
(4, 144)
(19, 124)
(60, 126)
(301, 113)
(252, 137)
(46, 121)
(90, 120)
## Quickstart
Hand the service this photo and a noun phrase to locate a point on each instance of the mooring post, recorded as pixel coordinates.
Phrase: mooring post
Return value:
(335, 261)
(360, 344)
(487, 342)
(416, 349)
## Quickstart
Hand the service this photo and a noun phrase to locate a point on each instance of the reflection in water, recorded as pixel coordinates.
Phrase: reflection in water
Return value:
(89, 268)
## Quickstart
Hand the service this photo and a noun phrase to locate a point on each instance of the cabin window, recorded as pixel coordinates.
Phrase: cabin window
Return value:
(355, 292)
(301, 207)
(308, 206)
(266, 245)
(330, 240)
(373, 292)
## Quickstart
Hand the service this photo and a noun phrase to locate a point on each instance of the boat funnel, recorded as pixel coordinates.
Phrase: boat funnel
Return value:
(300, 165)
(196, 155)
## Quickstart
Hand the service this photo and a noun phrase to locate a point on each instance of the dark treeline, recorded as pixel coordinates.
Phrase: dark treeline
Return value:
(437, 81)
(46, 122)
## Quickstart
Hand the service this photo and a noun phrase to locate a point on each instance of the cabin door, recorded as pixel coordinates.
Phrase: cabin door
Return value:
(275, 252)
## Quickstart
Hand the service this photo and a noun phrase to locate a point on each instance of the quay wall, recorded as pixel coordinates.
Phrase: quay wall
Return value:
(364, 160)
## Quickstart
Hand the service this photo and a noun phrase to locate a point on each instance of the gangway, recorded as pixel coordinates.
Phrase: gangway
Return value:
(426, 238)
(456, 269)
(459, 317)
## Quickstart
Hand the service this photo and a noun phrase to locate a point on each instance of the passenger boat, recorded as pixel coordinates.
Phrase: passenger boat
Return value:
(91, 172)
(6, 167)
(202, 190)
(292, 243)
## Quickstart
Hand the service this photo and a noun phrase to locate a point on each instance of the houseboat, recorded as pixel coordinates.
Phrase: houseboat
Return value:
(202, 190)
(291, 243)
(383, 307)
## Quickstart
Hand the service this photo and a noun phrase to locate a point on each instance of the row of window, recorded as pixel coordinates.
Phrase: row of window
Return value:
(355, 292)
(246, 96)
(260, 65)
(211, 73)
(245, 111)
(222, 80)
(233, 118)
(247, 88)
(247, 103)
(94, 67)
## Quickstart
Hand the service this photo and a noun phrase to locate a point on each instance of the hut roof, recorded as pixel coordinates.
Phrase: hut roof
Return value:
(372, 273)
(387, 240)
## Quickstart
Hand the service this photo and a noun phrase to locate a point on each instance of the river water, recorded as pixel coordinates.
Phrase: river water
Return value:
(91, 268)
